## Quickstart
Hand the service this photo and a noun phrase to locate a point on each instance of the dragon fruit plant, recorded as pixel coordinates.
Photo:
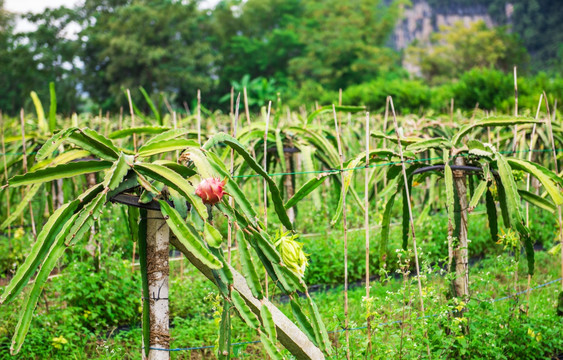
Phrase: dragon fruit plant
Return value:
(168, 186)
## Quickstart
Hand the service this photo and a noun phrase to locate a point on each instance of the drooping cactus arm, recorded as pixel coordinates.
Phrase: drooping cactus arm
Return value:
(291, 337)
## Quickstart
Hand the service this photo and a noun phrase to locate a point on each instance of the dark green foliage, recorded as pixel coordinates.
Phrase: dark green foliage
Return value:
(30, 61)
(170, 55)
(304, 50)
(460, 47)
(490, 88)
(142, 240)
(409, 95)
(492, 215)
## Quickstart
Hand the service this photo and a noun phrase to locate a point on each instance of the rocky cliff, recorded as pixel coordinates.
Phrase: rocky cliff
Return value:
(421, 19)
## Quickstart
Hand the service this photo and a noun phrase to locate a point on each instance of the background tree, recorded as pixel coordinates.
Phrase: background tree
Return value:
(16, 65)
(29, 61)
(457, 48)
(55, 47)
(258, 39)
(344, 41)
(171, 54)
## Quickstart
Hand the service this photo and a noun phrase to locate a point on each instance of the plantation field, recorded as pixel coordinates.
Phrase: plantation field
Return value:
(92, 301)
(462, 213)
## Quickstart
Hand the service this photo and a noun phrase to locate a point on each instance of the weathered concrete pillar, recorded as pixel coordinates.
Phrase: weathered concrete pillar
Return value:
(461, 282)
(158, 239)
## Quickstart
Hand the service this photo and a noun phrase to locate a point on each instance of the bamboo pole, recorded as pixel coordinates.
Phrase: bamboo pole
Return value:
(530, 154)
(528, 180)
(252, 151)
(246, 109)
(344, 223)
(132, 118)
(234, 125)
(385, 119)
(187, 108)
(515, 109)
(265, 165)
(24, 162)
(199, 116)
(554, 154)
(411, 218)
(452, 110)
(6, 176)
(366, 224)
(106, 129)
(232, 100)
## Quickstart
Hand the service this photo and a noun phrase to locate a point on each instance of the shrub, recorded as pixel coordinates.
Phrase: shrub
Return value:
(492, 89)
(408, 95)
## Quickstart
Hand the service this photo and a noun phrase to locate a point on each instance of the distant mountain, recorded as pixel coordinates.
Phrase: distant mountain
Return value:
(539, 23)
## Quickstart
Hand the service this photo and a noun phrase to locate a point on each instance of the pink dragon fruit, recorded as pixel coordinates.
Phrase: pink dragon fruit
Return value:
(211, 190)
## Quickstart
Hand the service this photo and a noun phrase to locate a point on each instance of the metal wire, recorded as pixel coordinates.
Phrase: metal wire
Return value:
(336, 171)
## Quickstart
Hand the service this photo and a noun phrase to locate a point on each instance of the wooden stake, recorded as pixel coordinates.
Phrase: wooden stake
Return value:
(515, 92)
(24, 162)
(6, 176)
(133, 257)
(452, 110)
(411, 218)
(344, 223)
(199, 116)
(515, 110)
(246, 110)
(366, 225)
(528, 180)
(100, 120)
(252, 151)
(232, 100)
(167, 105)
(187, 108)
(530, 154)
(265, 165)
(554, 154)
(385, 118)
(234, 125)
(106, 128)
(132, 118)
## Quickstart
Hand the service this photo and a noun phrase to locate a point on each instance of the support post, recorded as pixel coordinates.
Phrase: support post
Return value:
(461, 282)
(288, 184)
(158, 239)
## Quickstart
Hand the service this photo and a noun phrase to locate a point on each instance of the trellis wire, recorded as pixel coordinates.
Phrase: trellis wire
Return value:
(355, 169)
(350, 169)
(335, 171)
(492, 301)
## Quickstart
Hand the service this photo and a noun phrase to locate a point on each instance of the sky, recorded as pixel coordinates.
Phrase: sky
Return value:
(40, 5)
(35, 5)
(23, 6)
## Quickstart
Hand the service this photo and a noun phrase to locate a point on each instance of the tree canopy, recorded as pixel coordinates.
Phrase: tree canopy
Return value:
(457, 49)
(173, 48)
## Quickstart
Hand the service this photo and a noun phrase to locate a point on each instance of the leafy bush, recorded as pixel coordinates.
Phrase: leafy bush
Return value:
(102, 298)
(488, 87)
(12, 250)
(408, 95)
